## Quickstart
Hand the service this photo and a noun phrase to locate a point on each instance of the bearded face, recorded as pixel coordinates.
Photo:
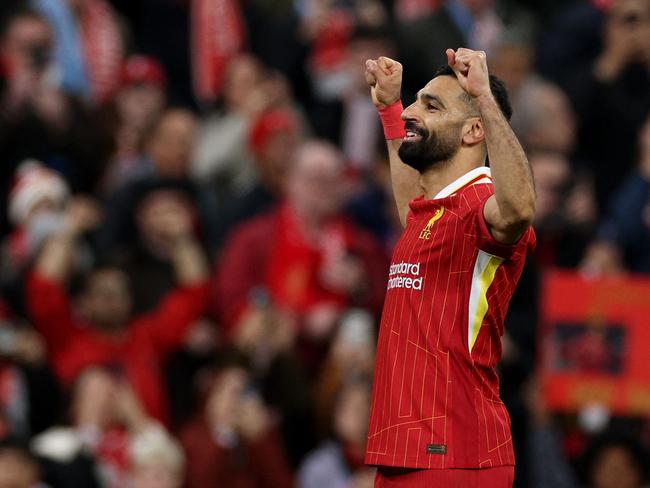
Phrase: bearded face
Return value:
(422, 149)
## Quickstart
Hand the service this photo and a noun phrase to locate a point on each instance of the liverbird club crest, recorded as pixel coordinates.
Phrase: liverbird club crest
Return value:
(426, 232)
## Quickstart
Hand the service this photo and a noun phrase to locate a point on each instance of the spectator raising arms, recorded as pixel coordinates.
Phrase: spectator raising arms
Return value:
(100, 330)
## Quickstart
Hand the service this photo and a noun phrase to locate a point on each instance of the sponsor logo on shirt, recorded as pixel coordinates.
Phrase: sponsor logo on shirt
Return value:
(405, 275)
(426, 232)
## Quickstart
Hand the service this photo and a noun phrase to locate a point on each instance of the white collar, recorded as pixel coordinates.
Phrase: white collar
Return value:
(468, 177)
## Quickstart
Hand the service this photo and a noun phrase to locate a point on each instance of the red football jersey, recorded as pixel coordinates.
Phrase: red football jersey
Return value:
(435, 400)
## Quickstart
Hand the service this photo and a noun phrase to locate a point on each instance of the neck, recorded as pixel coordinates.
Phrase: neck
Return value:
(442, 174)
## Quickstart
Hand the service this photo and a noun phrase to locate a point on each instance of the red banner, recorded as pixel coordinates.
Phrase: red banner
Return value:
(595, 342)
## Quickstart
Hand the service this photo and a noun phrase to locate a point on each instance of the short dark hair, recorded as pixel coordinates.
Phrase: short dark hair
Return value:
(497, 87)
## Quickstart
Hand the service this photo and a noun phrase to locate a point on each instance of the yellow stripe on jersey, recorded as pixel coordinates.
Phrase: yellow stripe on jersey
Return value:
(485, 269)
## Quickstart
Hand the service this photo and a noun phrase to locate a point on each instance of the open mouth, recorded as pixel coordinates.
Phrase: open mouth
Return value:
(412, 136)
(413, 133)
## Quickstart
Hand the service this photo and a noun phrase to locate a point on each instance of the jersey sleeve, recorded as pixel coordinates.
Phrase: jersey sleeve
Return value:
(479, 230)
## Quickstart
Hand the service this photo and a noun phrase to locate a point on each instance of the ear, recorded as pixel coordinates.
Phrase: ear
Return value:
(473, 132)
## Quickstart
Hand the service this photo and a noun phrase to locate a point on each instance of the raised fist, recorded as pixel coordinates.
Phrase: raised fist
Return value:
(384, 76)
(82, 214)
(471, 70)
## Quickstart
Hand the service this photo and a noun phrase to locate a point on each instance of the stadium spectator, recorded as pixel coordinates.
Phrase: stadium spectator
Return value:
(338, 462)
(296, 286)
(221, 153)
(110, 440)
(37, 203)
(350, 357)
(624, 234)
(360, 131)
(614, 461)
(149, 258)
(609, 460)
(371, 203)
(614, 88)
(566, 213)
(37, 120)
(89, 46)
(107, 334)
(165, 164)
(232, 440)
(156, 460)
(534, 104)
(138, 103)
(273, 138)
(482, 24)
(308, 258)
(26, 383)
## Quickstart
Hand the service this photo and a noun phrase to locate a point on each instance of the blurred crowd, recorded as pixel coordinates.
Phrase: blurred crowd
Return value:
(196, 223)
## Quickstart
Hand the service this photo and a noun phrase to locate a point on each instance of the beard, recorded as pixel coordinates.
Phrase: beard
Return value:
(431, 149)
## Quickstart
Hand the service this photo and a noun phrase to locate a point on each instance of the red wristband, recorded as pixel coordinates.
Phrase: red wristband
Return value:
(391, 120)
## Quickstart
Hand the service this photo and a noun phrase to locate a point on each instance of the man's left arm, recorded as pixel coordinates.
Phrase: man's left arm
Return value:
(187, 303)
(510, 211)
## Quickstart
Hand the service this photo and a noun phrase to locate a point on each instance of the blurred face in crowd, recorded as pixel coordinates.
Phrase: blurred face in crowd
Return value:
(106, 300)
(552, 173)
(170, 144)
(225, 397)
(140, 103)
(276, 157)
(159, 214)
(435, 123)
(512, 63)
(315, 186)
(243, 77)
(17, 470)
(351, 415)
(628, 23)
(552, 105)
(45, 206)
(274, 138)
(615, 467)
(27, 43)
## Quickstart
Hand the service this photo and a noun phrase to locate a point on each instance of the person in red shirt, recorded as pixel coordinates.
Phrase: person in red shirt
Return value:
(101, 331)
(304, 257)
(232, 441)
(436, 416)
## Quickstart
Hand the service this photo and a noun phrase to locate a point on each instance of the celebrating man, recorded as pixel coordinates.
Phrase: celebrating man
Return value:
(436, 418)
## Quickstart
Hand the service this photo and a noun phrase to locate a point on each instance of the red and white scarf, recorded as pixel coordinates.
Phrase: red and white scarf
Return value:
(103, 49)
(218, 34)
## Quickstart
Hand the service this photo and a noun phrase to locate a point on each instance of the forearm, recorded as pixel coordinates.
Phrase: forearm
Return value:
(511, 174)
(55, 259)
(189, 261)
(405, 180)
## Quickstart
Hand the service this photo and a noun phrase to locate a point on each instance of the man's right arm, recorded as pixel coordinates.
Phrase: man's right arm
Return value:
(55, 259)
(404, 179)
(384, 76)
(47, 300)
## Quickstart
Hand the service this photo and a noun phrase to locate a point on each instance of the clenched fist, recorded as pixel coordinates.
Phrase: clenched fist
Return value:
(471, 70)
(384, 76)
